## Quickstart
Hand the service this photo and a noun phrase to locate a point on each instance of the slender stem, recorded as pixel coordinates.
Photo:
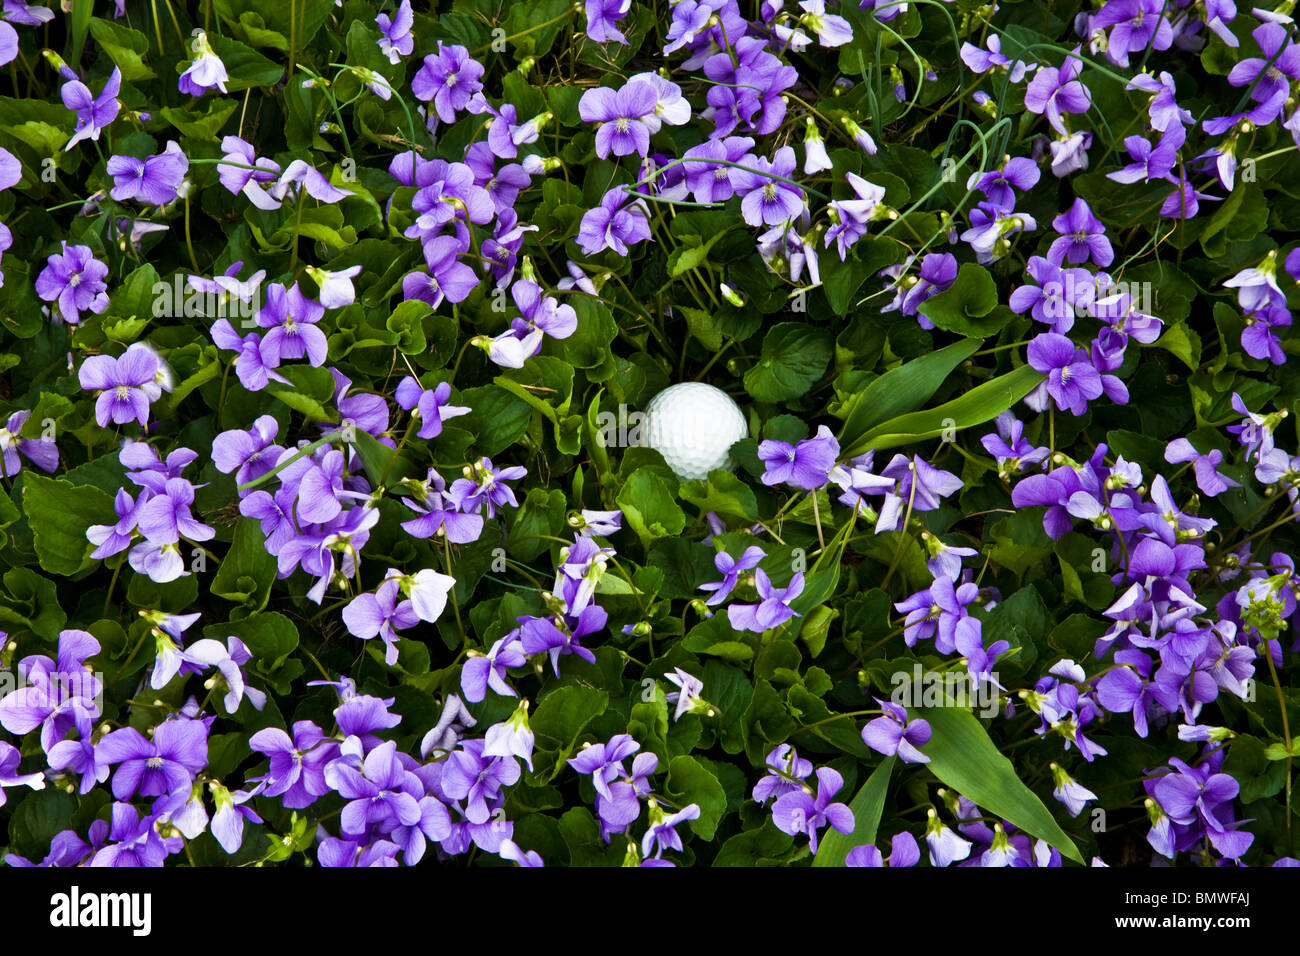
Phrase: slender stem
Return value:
(834, 717)
(535, 27)
(1286, 733)
(108, 598)
(293, 35)
(157, 27)
(189, 243)
(455, 605)
(817, 518)
(312, 657)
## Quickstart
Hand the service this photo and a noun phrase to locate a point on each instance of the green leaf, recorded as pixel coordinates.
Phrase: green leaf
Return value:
(690, 254)
(200, 126)
(1249, 763)
(81, 10)
(650, 507)
(59, 514)
(498, 418)
(248, 569)
(50, 407)
(271, 637)
(754, 847)
(124, 47)
(173, 597)
(981, 404)
(245, 65)
(376, 458)
(841, 280)
(32, 601)
(38, 819)
(1183, 343)
(562, 715)
(867, 807)
(581, 835)
(704, 326)
(407, 321)
(690, 781)
(722, 493)
(1277, 751)
(138, 294)
(901, 390)
(961, 307)
(963, 757)
(307, 392)
(210, 368)
(564, 711)
(794, 357)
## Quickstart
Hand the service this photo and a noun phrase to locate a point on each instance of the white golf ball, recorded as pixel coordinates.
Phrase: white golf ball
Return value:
(692, 425)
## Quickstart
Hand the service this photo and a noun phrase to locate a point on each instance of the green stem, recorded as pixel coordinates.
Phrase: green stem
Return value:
(108, 598)
(535, 27)
(455, 605)
(1286, 733)
(189, 243)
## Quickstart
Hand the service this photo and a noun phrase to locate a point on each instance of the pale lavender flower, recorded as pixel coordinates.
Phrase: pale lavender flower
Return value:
(122, 384)
(622, 117)
(766, 199)
(205, 71)
(894, 734)
(804, 465)
(380, 614)
(9, 775)
(41, 452)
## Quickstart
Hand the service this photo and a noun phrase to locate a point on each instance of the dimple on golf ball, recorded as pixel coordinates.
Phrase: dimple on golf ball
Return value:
(692, 425)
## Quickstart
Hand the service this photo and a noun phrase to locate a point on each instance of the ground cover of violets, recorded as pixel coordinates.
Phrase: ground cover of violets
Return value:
(327, 533)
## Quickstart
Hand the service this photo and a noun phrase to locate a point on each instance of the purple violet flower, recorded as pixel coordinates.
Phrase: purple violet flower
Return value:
(396, 41)
(773, 608)
(1071, 378)
(74, 281)
(449, 78)
(730, 568)
(894, 734)
(619, 221)
(805, 465)
(93, 112)
(602, 15)
(123, 384)
(767, 200)
(799, 812)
